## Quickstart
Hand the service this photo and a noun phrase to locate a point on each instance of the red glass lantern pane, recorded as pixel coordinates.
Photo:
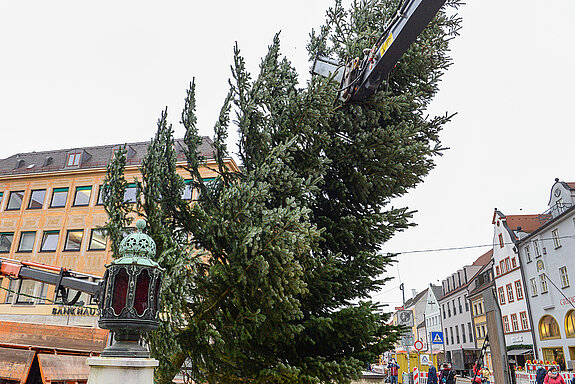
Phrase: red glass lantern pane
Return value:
(156, 297)
(142, 292)
(120, 291)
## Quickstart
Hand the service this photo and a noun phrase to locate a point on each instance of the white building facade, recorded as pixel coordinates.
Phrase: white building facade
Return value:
(548, 263)
(509, 285)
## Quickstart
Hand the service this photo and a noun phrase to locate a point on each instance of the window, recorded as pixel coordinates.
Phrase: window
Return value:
(555, 235)
(97, 240)
(6, 240)
(50, 241)
(543, 281)
(501, 244)
(100, 200)
(483, 330)
(470, 329)
(497, 271)
(446, 337)
(507, 265)
(2, 196)
(459, 305)
(457, 334)
(481, 307)
(451, 332)
(26, 292)
(187, 193)
(533, 287)
(443, 311)
(510, 297)
(12, 290)
(527, 254)
(514, 263)
(536, 248)
(477, 332)
(59, 196)
(130, 193)
(506, 324)
(463, 333)
(518, 290)
(43, 292)
(82, 196)
(475, 311)
(548, 328)
(524, 322)
(570, 324)
(466, 304)
(73, 240)
(15, 200)
(448, 310)
(74, 159)
(454, 309)
(37, 199)
(502, 267)
(501, 295)
(514, 322)
(564, 277)
(26, 241)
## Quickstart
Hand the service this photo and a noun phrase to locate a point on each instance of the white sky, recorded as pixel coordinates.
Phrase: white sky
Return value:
(76, 74)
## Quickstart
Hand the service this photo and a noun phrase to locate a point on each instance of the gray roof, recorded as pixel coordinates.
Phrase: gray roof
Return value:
(437, 291)
(90, 157)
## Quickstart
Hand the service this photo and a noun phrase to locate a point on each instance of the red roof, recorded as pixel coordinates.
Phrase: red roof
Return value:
(571, 185)
(483, 259)
(528, 223)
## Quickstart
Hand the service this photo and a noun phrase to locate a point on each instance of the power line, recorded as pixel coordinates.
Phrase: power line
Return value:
(472, 246)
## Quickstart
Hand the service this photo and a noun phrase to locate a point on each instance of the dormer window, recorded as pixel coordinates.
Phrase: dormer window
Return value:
(73, 159)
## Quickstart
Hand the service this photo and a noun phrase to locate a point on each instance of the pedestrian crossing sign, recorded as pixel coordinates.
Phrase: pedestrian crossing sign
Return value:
(437, 337)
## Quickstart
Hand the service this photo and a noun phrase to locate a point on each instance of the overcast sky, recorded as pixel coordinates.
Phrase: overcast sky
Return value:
(76, 74)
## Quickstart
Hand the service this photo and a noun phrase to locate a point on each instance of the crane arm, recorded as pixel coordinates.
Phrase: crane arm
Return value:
(62, 278)
(361, 78)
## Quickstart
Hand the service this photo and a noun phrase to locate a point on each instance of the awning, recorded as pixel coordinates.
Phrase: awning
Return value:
(15, 364)
(519, 352)
(63, 368)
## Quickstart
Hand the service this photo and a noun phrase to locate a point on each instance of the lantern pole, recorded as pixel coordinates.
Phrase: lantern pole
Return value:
(128, 302)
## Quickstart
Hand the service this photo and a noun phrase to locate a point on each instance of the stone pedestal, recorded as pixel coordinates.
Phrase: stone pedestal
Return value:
(120, 370)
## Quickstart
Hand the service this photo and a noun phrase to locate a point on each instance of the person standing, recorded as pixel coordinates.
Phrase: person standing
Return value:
(553, 377)
(485, 373)
(540, 374)
(447, 376)
(431, 374)
(393, 369)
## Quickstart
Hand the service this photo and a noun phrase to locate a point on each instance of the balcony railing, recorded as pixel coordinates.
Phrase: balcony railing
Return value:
(553, 212)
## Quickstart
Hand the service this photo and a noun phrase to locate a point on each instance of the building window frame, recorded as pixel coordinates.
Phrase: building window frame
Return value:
(58, 192)
(518, 290)
(510, 296)
(33, 200)
(501, 292)
(506, 328)
(564, 277)
(534, 290)
(47, 236)
(527, 253)
(17, 195)
(6, 237)
(524, 320)
(555, 236)
(514, 322)
(20, 244)
(543, 282)
(536, 248)
(103, 233)
(75, 202)
(73, 159)
(69, 245)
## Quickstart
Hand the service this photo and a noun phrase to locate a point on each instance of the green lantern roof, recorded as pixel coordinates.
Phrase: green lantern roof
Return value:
(137, 248)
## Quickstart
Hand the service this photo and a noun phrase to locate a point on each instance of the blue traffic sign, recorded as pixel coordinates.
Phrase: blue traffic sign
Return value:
(436, 337)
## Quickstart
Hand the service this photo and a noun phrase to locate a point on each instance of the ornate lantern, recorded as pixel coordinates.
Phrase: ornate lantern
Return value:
(130, 295)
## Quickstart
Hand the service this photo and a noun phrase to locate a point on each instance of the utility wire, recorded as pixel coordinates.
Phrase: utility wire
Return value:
(560, 291)
(472, 246)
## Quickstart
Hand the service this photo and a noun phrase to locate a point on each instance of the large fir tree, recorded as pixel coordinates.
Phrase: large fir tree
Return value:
(270, 271)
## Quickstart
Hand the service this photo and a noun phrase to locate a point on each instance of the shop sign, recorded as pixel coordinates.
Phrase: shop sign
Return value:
(74, 311)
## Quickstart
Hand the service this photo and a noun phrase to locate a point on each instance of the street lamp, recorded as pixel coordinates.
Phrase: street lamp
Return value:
(129, 297)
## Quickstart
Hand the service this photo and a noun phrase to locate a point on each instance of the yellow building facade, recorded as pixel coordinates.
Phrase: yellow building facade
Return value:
(50, 212)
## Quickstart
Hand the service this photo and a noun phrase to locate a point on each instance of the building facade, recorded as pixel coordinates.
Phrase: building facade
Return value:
(548, 263)
(456, 316)
(433, 316)
(507, 230)
(51, 211)
(483, 281)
